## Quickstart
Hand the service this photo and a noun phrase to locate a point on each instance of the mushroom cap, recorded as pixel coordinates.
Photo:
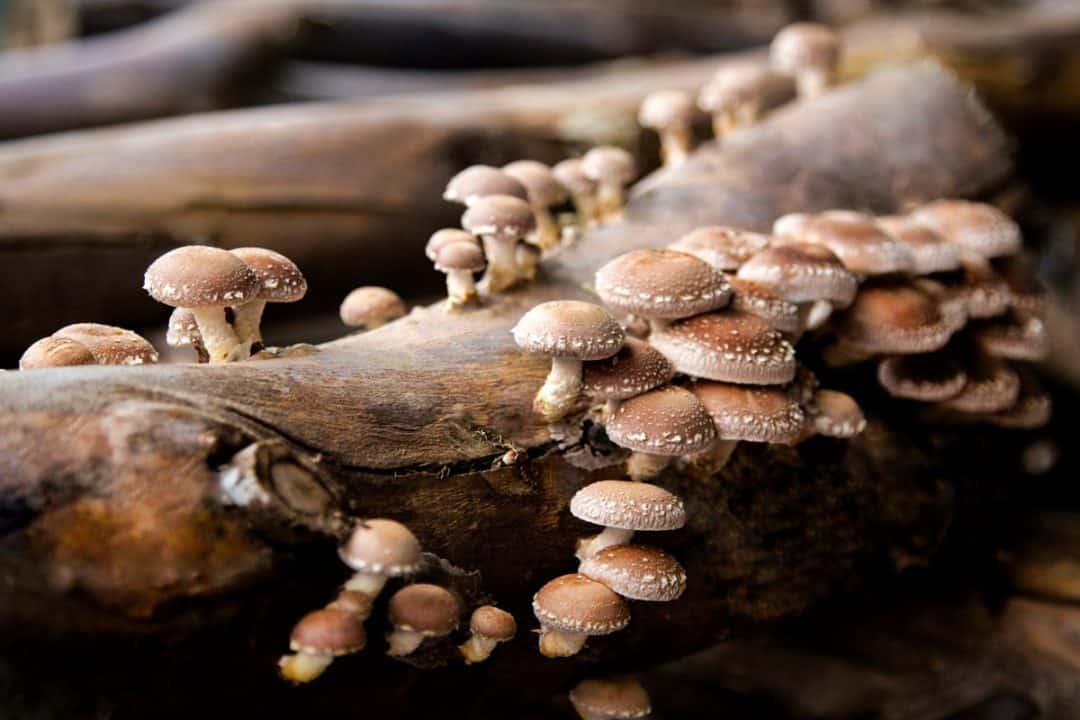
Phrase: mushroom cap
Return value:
(492, 623)
(628, 505)
(666, 108)
(1032, 409)
(500, 216)
(569, 328)
(637, 572)
(571, 174)
(55, 351)
(381, 547)
(328, 632)
(764, 302)
(1014, 336)
(836, 414)
(638, 367)
(353, 601)
(576, 604)
(460, 256)
(976, 227)
(804, 45)
(752, 413)
(477, 181)
(930, 251)
(897, 319)
(441, 238)
(729, 346)
(982, 293)
(201, 276)
(183, 328)
(802, 273)
(430, 610)
(612, 699)
(992, 387)
(669, 421)
(929, 377)
(664, 284)
(725, 248)
(543, 189)
(609, 164)
(860, 243)
(1026, 293)
(280, 281)
(791, 225)
(111, 345)
(732, 85)
(371, 305)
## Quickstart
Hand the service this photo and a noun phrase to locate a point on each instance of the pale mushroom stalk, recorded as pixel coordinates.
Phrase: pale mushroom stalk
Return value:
(714, 459)
(675, 144)
(403, 642)
(460, 287)
(223, 343)
(642, 466)
(589, 546)
(725, 121)
(246, 320)
(477, 649)
(303, 667)
(559, 643)
(561, 389)
(370, 584)
(810, 82)
(584, 207)
(548, 233)
(502, 270)
(610, 198)
(817, 314)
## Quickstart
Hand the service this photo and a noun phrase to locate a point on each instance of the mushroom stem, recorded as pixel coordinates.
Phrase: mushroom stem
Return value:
(609, 200)
(502, 272)
(713, 460)
(222, 343)
(367, 583)
(527, 259)
(403, 642)
(584, 207)
(559, 643)
(548, 234)
(477, 649)
(460, 287)
(817, 314)
(812, 82)
(723, 123)
(642, 466)
(675, 145)
(559, 392)
(246, 320)
(609, 408)
(303, 667)
(589, 546)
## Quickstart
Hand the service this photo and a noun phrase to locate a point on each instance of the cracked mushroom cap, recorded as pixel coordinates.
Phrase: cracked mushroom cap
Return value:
(1014, 337)
(637, 572)
(666, 108)
(54, 351)
(931, 252)
(764, 302)
(200, 276)
(328, 632)
(500, 216)
(608, 164)
(280, 281)
(860, 243)
(801, 272)
(460, 256)
(569, 328)
(183, 329)
(382, 547)
(110, 345)
(929, 377)
(978, 228)
(992, 387)
(479, 181)
(492, 623)
(669, 421)
(836, 414)
(725, 248)
(447, 236)
(431, 610)
(734, 85)
(610, 699)
(662, 284)
(571, 175)
(804, 45)
(728, 346)
(752, 413)
(576, 604)
(371, 305)
(628, 505)
(540, 184)
(637, 368)
(896, 319)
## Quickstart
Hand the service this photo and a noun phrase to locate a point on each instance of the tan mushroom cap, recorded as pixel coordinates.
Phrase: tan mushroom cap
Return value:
(752, 413)
(669, 421)
(929, 377)
(791, 225)
(111, 345)
(802, 273)
(569, 328)
(666, 108)
(371, 305)
(734, 85)
(280, 281)
(571, 174)
(200, 276)
(983, 294)
(930, 251)
(637, 572)
(430, 610)
(725, 248)
(183, 329)
(460, 256)
(492, 623)
(328, 632)
(382, 547)
(54, 351)
(354, 602)
(500, 216)
(728, 346)
(638, 367)
(836, 414)
(610, 699)
(896, 319)
(447, 236)
(1015, 337)
(764, 302)
(628, 505)
(804, 45)
(860, 243)
(479, 181)
(976, 227)
(992, 387)
(576, 604)
(662, 284)
(540, 184)
(608, 164)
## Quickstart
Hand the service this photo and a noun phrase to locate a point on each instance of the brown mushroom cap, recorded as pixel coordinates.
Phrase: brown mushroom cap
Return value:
(543, 189)
(491, 622)
(381, 547)
(54, 351)
(1032, 409)
(727, 346)
(764, 302)
(725, 248)
(328, 632)
(447, 236)
(200, 276)
(460, 256)
(371, 305)
(183, 328)
(931, 252)
(669, 421)
(992, 387)
(638, 367)
(836, 414)
(608, 164)
(897, 319)
(110, 345)
(615, 699)
(860, 243)
(354, 602)
(479, 181)
(571, 175)
(752, 413)
(637, 572)
(424, 608)
(569, 328)
(662, 284)
(929, 377)
(576, 604)
(628, 506)
(981, 293)
(1015, 337)
(666, 108)
(802, 273)
(1026, 293)
(500, 216)
(280, 281)
(804, 45)
(734, 85)
(977, 227)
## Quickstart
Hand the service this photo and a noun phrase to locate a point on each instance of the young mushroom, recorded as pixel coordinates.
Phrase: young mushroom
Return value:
(418, 612)
(183, 331)
(615, 699)
(280, 281)
(981, 231)
(612, 169)
(734, 96)
(371, 307)
(545, 191)
(52, 351)
(835, 414)
(317, 639)
(1014, 337)
(637, 368)
(671, 114)
(377, 550)
(623, 508)
(478, 181)
(488, 627)
(637, 572)
(460, 260)
(725, 248)
(110, 345)
(894, 319)
(810, 53)
(992, 387)
(567, 331)
(501, 221)
(581, 187)
(927, 377)
(748, 413)
(571, 608)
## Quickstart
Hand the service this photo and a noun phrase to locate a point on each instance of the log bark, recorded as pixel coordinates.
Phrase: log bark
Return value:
(117, 525)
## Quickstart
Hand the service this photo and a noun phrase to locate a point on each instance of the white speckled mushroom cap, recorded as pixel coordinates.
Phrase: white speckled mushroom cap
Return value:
(637, 572)
(539, 182)
(836, 414)
(479, 181)
(804, 45)
(733, 85)
(111, 345)
(976, 227)
(430, 610)
(928, 377)
(55, 351)
(576, 604)
(569, 328)
(200, 276)
(381, 547)
(628, 506)
(725, 248)
(896, 319)
(931, 252)
(665, 284)
(752, 413)
(666, 108)
(637, 368)
(764, 302)
(860, 243)
(669, 421)
(802, 273)
(280, 281)
(608, 164)
(500, 216)
(611, 699)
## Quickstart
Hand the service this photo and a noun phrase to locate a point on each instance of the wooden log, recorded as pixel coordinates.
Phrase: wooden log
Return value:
(116, 519)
